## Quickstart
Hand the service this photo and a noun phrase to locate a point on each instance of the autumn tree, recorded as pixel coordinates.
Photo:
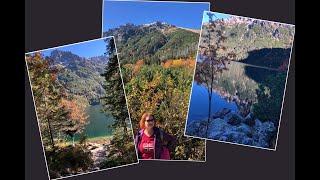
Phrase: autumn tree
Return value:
(47, 94)
(77, 117)
(165, 91)
(210, 62)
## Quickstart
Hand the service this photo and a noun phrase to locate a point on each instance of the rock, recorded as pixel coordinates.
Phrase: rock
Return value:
(235, 137)
(99, 153)
(234, 119)
(249, 120)
(247, 141)
(197, 128)
(92, 146)
(257, 123)
(263, 133)
(222, 130)
(217, 127)
(235, 129)
(244, 128)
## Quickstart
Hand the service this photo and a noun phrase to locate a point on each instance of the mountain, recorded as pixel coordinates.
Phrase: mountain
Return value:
(154, 42)
(79, 75)
(192, 30)
(244, 35)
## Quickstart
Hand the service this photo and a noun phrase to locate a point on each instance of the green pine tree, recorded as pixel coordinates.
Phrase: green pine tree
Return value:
(122, 146)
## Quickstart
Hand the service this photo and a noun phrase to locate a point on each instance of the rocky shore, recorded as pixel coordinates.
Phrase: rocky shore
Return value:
(99, 150)
(231, 127)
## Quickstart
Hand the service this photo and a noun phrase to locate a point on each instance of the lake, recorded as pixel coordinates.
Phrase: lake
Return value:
(199, 103)
(98, 123)
(241, 78)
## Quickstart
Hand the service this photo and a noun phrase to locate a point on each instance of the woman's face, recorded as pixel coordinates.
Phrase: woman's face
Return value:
(149, 123)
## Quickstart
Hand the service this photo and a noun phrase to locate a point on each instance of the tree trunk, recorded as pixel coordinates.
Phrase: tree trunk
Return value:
(49, 125)
(50, 133)
(210, 97)
(125, 131)
(209, 114)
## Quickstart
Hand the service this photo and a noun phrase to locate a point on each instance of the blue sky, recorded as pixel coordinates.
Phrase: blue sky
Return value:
(187, 15)
(86, 49)
(215, 16)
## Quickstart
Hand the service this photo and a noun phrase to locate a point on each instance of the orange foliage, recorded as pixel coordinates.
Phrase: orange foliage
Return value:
(76, 110)
(128, 66)
(138, 66)
(190, 63)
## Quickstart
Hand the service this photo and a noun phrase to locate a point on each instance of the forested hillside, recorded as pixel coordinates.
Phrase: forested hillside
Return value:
(246, 36)
(154, 43)
(80, 76)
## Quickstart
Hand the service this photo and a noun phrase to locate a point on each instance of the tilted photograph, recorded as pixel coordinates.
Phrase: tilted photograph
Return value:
(157, 46)
(81, 108)
(239, 82)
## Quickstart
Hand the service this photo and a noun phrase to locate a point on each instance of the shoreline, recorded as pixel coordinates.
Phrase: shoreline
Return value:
(98, 140)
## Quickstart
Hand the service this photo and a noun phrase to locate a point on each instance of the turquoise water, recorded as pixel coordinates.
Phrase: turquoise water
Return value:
(98, 123)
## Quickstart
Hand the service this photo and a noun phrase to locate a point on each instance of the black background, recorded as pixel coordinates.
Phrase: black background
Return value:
(50, 23)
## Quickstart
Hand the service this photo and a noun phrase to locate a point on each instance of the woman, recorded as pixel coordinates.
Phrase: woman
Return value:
(152, 142)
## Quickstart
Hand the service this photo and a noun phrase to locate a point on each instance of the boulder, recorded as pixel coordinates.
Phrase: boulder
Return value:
(235, 129)
(92, 146)
(263, 133)
(234, 119)
(99, 154)
(197, 128)
(249, 120)
(244, 128)
(217, 127)
(257, 123)
(222, 130)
